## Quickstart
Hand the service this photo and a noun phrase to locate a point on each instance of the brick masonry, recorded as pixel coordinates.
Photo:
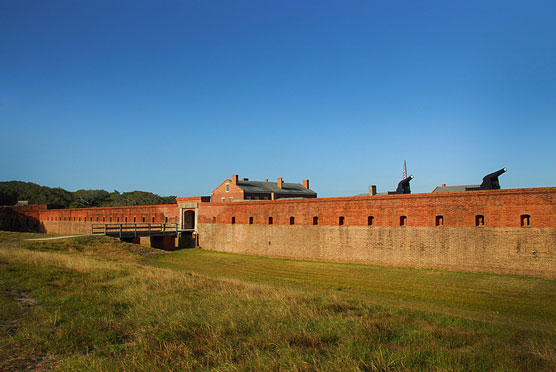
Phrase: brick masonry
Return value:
(509, 250)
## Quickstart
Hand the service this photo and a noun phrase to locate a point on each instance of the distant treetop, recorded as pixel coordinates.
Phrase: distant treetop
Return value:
(13, 191)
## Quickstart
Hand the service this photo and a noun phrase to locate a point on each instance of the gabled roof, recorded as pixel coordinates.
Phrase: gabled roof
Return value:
(268, 187)
(454, 188)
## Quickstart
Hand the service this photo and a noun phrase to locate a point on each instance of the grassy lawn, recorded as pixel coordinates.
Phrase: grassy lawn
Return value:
(97, 304)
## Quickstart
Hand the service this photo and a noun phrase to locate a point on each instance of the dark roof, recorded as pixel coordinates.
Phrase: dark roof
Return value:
(268, 187)
(454, 188)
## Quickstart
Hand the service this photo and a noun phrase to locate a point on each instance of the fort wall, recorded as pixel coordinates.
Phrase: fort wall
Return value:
(369, 230)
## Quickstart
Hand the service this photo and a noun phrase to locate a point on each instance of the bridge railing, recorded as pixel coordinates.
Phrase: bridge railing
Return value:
(134, 229)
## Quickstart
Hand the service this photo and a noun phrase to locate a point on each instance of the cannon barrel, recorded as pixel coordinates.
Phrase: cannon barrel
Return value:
(490, 181)
(403, 187)
(496, 174)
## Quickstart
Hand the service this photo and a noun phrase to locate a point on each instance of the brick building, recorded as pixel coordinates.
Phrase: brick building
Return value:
(239, 190)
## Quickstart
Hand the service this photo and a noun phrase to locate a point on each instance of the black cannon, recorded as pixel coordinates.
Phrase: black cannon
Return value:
(490, 181)
(403, 187)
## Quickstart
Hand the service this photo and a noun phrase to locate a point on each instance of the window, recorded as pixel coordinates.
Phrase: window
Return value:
(403, 220)
(97, 219)
(134, 219)
(227, 187)
(439, 221)
(103, 219)
(143, 218)
(223, 200)
(315, 220)
(233, 220)
(166, 219)
(479, 220)
(292, 220)
(341, 220)
(270, 221)
(79, 219)
(213, 219)
(153, 219)
(125, 220)
(110, 219)
(525, 220)
(370, 220)
(250, 220)
(117, 219)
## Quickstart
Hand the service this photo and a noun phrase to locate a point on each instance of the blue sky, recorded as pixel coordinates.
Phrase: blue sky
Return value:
(175, 96)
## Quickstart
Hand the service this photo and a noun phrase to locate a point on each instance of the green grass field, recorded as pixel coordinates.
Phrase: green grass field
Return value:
(97, 304)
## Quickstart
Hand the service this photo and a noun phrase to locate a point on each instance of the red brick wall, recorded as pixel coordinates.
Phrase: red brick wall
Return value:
(500, 208)
(78, 220)
(234, 192)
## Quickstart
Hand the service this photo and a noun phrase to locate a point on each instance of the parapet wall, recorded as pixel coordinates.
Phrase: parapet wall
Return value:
(499, 208)
(79, 220)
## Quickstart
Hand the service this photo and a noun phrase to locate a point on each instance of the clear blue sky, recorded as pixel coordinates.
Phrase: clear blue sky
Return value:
(175, 96)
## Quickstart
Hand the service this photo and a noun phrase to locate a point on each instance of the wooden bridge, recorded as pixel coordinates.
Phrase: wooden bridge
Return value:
(134, 230)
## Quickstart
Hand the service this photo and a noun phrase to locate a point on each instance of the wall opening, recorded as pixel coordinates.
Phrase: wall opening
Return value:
(134, 219)
(166, 219)
(124, 221)
(341, 220)
(403, 220)
(143, 218)
(250, 220)
(370, 220)
(315, 220)
(233, 220)
(153, 219)
(439, 220)
(270, 221)
(292, 221)
(213, 219)
(188, 220)
(525, 220)
(117, 219)
(479, 220)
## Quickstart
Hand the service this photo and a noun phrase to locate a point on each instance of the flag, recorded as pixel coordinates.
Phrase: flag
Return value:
(404, 171)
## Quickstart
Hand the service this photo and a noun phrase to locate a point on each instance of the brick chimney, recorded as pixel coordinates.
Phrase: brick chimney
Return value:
(306, 184)
(443, 185)
(234, 179)
(280, 182)
(266, 179)
(372, 190)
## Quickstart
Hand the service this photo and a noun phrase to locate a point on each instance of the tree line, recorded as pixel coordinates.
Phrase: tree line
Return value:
(13, 191)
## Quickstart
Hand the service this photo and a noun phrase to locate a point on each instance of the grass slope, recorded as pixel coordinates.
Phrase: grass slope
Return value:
(96, 304)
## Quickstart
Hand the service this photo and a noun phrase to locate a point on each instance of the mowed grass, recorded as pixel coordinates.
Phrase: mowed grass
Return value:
(97, 304)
